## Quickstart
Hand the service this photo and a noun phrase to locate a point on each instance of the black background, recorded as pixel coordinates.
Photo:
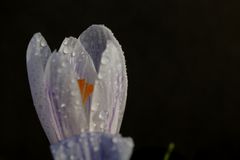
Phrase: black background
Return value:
(183, 62)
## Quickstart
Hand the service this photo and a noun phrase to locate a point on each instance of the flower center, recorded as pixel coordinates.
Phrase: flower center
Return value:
(86, 90)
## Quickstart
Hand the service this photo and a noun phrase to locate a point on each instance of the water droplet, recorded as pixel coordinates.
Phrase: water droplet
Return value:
(96, 82)
(72, 157)
(65, 42)
(62, 156)
(66, 50)
(73, 93)
(102, 125)
(94, 125)
(95, 148)
(63, 64)
(100, 76)
(70, 144)
(43, 43)
(119, 66)
(82, 130)
(80, 139)
(59, 70)
(115, 140)
(63, 105)
(73, 54)
(36, 54)
(38, 38)
(95, 107)
(103, 115)
(104, 60)
(77, 102)
(72, 81)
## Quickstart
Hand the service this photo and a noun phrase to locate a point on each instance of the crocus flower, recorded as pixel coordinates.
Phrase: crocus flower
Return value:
(80, 88)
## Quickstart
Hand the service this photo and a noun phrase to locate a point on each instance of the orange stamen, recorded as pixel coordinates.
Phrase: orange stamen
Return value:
(86, 90)
(81, 84)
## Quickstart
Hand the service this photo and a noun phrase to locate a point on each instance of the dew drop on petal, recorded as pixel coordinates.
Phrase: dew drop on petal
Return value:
(95, 107)
(43, 43)
(77, 102)
(65, 42)
(115, 140)
(66, 50)
(63, 64)
(73, 93)
(104, 60)
(102, 126)
(94, 125)
(119, 66)
(63, 105)
(72, 81)
(38, 38)
(82, 130)
(103, 115)
(100, 76)
(62, 156)
(70, 144)
(59, 70)
(72, 157)
(73, 54)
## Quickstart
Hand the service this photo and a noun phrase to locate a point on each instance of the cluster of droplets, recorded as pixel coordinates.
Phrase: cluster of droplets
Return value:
(67, 49)
(42, 43)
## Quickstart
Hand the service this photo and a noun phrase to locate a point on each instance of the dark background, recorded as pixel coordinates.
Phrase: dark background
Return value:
(183, 61)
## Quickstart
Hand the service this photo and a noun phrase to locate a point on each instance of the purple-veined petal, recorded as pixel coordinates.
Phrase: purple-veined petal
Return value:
(64, 95)
(38, 53)
(110, 88)
(94, 40)
(82, 64)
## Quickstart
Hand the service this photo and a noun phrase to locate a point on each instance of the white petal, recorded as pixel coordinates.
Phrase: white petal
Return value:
(82, 63)
(110, 90)
(37, 55)
(94, 40)
(63, 91)
(81, 60)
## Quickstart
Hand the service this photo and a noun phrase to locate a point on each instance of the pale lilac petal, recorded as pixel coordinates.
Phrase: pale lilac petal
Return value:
(63, 92)
(37, 56)
(110, 90)
(81, 61)
(77, 55)
(94, 40)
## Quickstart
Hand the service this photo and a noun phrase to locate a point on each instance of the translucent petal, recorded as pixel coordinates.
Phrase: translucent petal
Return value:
(38, 53)
(110, 90)
(82, 63)
(63, 91)
(94, 40)
(77, 55)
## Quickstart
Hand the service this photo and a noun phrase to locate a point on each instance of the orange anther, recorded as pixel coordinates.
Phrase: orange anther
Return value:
(86, 90)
